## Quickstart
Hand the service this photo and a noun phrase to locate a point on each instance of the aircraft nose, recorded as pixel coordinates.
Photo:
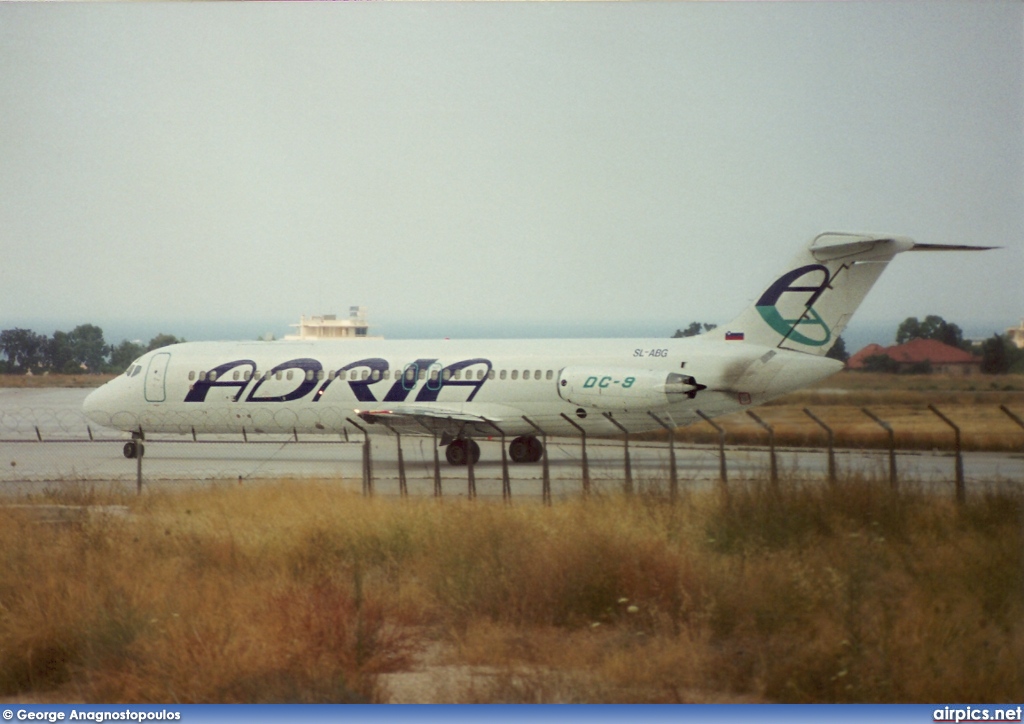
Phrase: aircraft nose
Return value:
(97, 405)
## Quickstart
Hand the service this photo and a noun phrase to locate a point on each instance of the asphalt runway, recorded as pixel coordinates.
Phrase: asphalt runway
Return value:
(46, 443)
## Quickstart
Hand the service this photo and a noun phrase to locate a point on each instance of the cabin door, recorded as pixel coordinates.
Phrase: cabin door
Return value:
(156, 384)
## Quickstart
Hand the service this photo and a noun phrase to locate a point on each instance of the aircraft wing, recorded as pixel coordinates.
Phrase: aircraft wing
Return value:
(408, 419)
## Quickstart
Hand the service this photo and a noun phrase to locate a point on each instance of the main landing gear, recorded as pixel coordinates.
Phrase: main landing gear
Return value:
(524, 449)
(458, 452)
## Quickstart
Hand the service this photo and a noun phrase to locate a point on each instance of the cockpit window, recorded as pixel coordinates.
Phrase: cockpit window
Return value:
(133, 370)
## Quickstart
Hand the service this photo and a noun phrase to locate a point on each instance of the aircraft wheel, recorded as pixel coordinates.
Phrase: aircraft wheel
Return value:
(458, 452)
(525, 449)
(134, 449)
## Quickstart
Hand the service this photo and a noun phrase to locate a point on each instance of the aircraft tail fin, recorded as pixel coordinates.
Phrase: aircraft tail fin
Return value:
(807, 307)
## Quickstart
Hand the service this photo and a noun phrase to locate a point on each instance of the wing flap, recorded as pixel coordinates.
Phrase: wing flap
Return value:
(429, 419)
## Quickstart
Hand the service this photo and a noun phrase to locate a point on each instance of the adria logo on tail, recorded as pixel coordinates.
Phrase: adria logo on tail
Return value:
(810, 320)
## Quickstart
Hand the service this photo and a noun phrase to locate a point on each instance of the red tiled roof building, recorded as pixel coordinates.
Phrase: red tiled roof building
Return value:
(916, 353)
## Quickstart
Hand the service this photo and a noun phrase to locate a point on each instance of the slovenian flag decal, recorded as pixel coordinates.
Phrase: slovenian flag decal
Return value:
(734, 336)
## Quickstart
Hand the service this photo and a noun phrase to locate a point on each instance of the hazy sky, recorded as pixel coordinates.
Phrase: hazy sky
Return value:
(589, 168)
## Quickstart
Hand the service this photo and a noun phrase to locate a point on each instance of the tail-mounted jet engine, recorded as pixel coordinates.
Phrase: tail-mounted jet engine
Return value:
(616, 388)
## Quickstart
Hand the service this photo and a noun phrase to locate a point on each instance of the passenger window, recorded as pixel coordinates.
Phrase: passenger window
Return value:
(247, 376)
(387, 374)
(202, 376)
(502, 375)
(342, 374)
(191, 375)
(319, 375)
(479, 374)
(290, 374)
(490, 374)
(423, 375)
(366, 373)
(433, 375)
(376, 375)
(515, 374)
(537, 374)
(446, 375)
(551, 374)
(309, 375)
(235, 375)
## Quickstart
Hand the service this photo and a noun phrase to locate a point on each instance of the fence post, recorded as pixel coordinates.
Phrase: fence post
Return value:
(831, 445)
(1012, 416)
(367, 462)
(506, 485)
(673, 480)
(771, 446)
(961, 491)
(893, 479)
(627, 486)
(722, 472)
(140, 451)
(583, 447)
(546, 473)
(403, 486)
(437, 468)
(470, 470)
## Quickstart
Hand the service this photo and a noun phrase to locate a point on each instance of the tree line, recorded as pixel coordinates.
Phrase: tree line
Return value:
(82, 350)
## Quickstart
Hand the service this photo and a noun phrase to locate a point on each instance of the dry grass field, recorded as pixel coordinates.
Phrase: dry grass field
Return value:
(298, 592)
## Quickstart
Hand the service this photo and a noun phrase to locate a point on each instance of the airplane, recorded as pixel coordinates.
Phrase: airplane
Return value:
(460, 391)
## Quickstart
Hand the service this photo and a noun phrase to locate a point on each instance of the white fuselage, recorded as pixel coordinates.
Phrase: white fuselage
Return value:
(460, 388)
